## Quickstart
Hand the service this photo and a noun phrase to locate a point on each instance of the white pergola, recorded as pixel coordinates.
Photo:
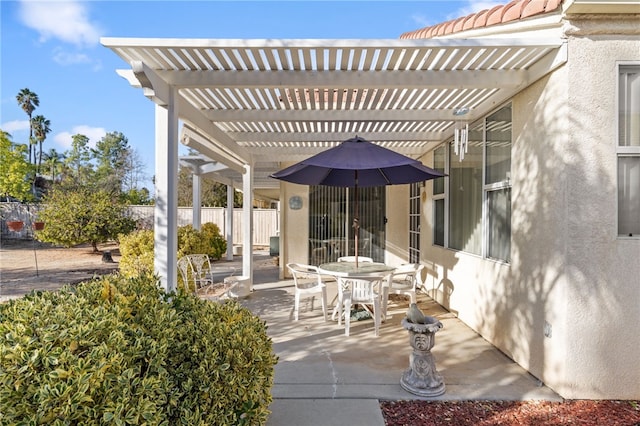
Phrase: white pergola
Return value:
(251, 105)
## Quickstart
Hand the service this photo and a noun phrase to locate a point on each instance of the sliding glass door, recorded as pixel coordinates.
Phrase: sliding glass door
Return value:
(331, 231)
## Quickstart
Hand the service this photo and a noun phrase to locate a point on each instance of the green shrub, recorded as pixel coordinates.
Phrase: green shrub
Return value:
(136, 248)
(120, 351)
(136, 253)
(216, 243)
(189, 241)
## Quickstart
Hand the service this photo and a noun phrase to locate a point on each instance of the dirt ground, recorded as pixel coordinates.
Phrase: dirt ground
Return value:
(27, 265)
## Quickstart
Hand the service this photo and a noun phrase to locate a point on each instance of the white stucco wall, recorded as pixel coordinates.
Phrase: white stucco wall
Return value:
(602, 270)
(570, 274)
(294, 227)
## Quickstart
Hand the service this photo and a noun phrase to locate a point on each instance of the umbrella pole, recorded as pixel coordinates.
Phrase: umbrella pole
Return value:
(356, 219)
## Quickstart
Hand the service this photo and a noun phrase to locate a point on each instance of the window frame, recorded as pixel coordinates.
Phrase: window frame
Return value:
(623, 151)
(441, 196)
(505, 184)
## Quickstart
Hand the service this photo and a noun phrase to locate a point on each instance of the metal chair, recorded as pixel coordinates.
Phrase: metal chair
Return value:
(186, 272)
(195, 271)
(308, 282)
(202, 270)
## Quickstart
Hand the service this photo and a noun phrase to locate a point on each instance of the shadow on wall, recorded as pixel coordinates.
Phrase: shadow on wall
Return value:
(442, 287)
(536, 295)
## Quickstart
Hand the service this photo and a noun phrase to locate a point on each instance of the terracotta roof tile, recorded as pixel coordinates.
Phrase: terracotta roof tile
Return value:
(513, 11)
(495, 15)
(468, 22)
(533, 7)
(481, 19)
(458, 24)
(448, 28)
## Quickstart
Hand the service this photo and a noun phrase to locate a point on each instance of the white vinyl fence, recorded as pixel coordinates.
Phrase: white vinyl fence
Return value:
(265, 221)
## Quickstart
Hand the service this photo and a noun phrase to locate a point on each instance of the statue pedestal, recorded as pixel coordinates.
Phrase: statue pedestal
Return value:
(421, 378)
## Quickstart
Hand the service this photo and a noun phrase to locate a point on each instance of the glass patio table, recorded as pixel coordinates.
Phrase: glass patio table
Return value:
(348, 269)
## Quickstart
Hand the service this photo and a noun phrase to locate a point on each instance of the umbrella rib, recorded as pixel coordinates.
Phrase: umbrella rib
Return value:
(384, 175)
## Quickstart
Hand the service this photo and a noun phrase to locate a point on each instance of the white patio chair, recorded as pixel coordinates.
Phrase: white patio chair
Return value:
(362, 259)
(361, 291)
(404, 280)
(308, 282)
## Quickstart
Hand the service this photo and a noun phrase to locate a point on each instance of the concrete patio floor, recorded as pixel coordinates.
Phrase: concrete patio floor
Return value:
(326, 378)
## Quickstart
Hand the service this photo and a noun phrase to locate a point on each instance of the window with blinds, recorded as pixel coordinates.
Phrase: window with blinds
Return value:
(414, 223)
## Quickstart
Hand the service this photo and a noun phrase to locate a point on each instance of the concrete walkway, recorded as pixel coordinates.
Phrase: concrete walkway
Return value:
(324, 378)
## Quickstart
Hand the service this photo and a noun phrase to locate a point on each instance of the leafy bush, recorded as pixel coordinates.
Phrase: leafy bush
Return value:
(121, 351)
(215, 241)
(136, 249)
(208, 240)
(136, 253)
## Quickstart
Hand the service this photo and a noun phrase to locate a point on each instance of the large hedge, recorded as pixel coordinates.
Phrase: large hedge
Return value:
(121, 351)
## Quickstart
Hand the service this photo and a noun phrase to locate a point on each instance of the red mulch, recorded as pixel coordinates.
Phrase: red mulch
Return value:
(529, 413)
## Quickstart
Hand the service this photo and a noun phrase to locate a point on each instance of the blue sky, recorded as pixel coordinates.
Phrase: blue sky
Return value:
(53, 49)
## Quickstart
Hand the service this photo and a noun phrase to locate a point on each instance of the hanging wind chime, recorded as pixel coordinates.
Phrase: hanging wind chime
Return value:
(461, 139)
(460, 134)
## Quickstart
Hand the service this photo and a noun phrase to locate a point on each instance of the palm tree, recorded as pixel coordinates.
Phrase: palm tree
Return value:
(28, 101)
(40, 127)
(53, 160)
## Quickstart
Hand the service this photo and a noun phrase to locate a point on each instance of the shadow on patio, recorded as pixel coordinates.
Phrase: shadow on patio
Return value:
(318, 362)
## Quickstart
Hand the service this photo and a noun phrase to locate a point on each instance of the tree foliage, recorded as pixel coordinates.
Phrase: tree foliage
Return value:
(41, 128)
(14, 170)
(111, 155)
(78, 166)
(29, 101)
(53, 164)
(83, 215)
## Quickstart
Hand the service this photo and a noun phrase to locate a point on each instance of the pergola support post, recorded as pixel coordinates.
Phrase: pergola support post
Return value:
(247, 223)
(166, 207)
(229, 222)
(197, 201)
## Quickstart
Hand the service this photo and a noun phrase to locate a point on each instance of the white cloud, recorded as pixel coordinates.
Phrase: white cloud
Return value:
(64, 57)
(15, 125)
(422, 21)
(472, 6)
(476, 6)
(94, 134)
(67, 21)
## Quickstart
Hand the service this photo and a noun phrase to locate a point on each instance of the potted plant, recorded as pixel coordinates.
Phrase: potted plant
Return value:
(38, 226)
(15, 225)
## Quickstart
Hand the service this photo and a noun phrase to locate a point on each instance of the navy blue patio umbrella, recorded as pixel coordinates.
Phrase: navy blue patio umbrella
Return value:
(356, 163)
